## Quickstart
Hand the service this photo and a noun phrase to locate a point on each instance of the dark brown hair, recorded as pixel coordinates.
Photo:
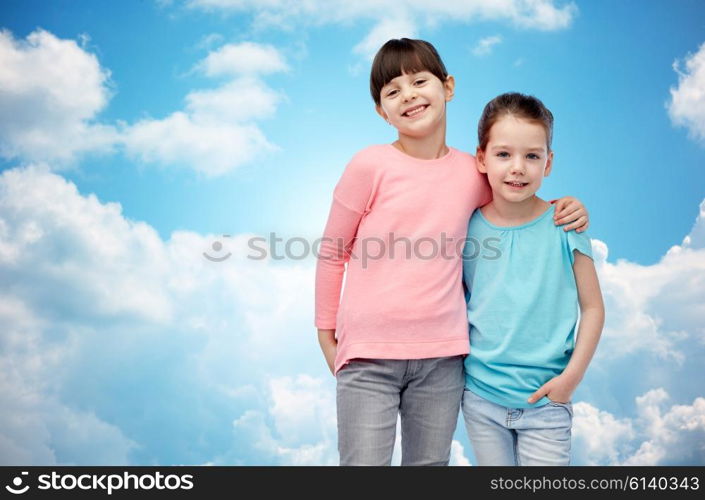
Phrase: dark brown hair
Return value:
(518, 105)
(403, 55)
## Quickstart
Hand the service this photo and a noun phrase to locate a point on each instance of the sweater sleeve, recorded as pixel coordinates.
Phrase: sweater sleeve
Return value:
(351, 200)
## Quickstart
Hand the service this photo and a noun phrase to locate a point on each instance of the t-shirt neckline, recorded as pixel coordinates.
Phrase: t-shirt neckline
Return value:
(421, 161)
(512, 228)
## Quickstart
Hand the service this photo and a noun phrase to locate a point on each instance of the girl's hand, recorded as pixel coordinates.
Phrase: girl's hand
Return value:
(329, 346)
(571, 211)
(559, 389)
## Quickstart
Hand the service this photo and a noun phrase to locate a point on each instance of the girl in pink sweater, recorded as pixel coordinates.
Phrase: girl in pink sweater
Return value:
(397, 339)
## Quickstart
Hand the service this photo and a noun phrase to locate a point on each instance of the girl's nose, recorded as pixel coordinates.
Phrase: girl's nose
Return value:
(409, 94)
(517, 167)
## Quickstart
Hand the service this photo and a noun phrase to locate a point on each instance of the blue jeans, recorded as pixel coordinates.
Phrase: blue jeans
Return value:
(518, 436)
(426, 393)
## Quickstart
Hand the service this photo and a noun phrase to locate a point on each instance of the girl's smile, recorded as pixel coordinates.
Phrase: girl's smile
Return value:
(415, 111)
(516, 184)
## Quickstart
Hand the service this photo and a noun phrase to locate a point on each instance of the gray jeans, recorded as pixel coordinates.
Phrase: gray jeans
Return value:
(372, 392)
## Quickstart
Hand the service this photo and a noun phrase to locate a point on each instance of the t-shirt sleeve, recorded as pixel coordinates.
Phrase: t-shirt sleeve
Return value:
(351, 199)
(579, 242)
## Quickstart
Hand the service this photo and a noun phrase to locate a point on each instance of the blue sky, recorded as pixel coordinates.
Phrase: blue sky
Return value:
(134, 134)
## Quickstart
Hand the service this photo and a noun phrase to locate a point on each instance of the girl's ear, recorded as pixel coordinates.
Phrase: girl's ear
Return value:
(549, 164)
(480, 154)
(449, 85)
(381, 113)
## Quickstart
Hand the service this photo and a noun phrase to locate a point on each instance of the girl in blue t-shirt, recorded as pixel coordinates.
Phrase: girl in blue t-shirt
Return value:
(524, 279)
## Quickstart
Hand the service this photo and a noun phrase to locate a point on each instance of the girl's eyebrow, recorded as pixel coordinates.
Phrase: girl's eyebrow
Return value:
(503, 146)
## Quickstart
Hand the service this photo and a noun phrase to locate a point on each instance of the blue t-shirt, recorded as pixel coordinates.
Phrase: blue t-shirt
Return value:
(522, 306)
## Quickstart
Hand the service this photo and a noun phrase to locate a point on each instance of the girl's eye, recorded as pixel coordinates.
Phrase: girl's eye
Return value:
(420, 81)
(533, 156)
(391, 93)
(503, 154)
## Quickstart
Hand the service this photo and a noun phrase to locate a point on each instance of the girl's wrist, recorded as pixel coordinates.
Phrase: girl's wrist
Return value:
(572, 377)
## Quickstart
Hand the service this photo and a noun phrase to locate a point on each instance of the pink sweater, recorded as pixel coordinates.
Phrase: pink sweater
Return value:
(400, 224)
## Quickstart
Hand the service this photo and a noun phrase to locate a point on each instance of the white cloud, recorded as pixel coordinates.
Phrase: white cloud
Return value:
(484, 46)
(394, 27)
(212, 148)
(208, 41)
(599, 437)
(52, 90)
(539, 14)
(35, 425)
(696, 237)
(303, 409)
(675, 436)
(94, 305)
(217, 131)
(543, 15)
(393, 18)
(657, 308)
(298, 428)
(50, 93)
(396, 451)
(245, 58)
(457, 455)
(241, 100)
(687, 104)
(57, 236)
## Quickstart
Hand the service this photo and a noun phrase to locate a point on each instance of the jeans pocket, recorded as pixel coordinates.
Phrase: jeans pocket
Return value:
(568, 406)
(349, 364)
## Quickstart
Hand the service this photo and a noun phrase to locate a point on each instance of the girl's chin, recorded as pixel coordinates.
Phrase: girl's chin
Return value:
(416, 134)
(514, 197)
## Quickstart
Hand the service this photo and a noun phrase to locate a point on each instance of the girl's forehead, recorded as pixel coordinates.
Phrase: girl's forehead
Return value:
(512, 122)
(514, 128)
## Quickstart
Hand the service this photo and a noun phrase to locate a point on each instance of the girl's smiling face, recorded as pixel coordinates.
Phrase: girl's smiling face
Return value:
(516, 158)
(415, 103)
